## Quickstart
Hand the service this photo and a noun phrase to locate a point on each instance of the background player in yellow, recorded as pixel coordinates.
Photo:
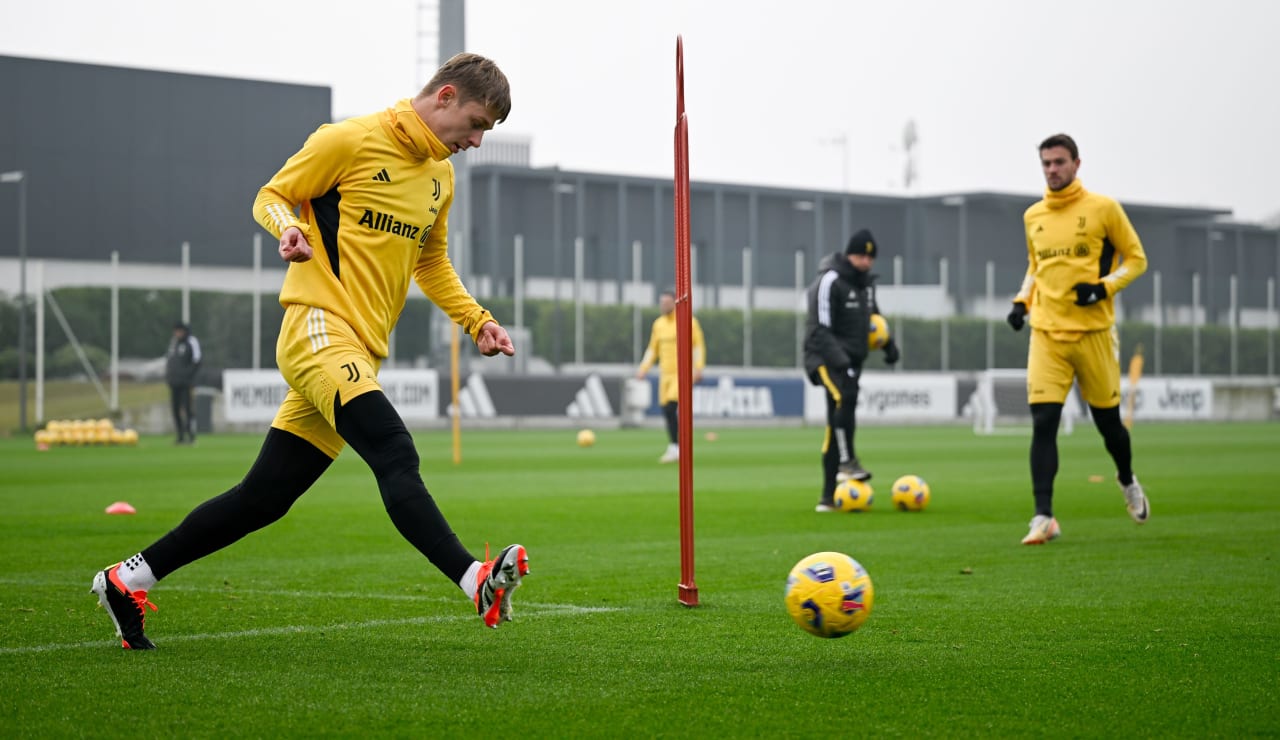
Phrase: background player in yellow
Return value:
(663, 349)
(360, 211)
(1081, 251)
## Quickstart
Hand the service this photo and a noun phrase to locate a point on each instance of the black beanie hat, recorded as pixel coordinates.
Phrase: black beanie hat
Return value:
(862, 243)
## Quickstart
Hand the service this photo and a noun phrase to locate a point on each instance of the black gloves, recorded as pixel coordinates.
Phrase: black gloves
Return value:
(1018, 316)
(891, 353)
(1088, 294)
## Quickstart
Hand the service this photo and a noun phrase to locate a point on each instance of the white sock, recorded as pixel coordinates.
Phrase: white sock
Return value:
(673, 448)
(468, 582)
(136, 574)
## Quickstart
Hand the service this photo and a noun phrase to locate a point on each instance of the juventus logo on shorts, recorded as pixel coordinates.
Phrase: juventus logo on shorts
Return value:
(353, 371)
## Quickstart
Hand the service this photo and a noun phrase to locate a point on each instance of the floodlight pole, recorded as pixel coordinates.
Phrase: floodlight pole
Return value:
(20, 177)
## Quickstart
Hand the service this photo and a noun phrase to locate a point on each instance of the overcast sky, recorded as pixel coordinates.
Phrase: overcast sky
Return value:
(1172, 101)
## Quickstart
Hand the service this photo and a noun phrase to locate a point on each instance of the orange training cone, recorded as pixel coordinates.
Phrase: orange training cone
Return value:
(121, 507)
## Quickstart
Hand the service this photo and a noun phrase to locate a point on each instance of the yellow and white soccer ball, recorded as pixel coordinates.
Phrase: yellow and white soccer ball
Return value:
(910, 493)
(853, 495)
(586, 438)
(829, 594)
(877, 332)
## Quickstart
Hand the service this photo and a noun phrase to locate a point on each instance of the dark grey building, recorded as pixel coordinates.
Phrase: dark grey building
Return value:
(550, 208)
(140, 161)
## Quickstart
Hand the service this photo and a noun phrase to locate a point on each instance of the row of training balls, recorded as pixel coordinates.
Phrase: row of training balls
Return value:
(910, 493)
(82, 432)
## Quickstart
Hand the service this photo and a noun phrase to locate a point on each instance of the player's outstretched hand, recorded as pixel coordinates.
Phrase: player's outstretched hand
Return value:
(294, 246)
(891, 353)
(1088, 294)
(1018, 316)
(493, 339)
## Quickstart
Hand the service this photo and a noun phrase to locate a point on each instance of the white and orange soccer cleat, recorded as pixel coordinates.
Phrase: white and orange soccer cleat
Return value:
(1043, 529)
(495, 582)
(1135, 500)
(127, 609)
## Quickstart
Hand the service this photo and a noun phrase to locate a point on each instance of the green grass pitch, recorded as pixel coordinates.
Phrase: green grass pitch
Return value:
(328, 623)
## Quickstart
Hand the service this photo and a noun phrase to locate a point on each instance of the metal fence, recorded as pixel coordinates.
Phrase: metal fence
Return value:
(575, 300)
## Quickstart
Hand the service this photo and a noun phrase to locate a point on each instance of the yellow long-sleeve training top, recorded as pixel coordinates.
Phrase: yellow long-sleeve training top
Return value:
(1075, 236)
(372, 195)
(662, 346)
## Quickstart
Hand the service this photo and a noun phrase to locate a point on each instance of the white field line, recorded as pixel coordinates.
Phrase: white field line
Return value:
(527, 610)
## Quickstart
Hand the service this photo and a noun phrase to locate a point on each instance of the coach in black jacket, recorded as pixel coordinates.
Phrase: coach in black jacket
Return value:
(180, 365)
(841, 301)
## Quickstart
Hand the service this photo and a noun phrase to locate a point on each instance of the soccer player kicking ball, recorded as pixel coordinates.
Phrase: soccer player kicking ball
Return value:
(373, 197)
(1081, 251)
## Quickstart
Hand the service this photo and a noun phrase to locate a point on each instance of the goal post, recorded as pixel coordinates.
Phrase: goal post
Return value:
(998, 405)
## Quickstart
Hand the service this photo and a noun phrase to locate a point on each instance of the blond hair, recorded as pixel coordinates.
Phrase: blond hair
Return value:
(476, 78)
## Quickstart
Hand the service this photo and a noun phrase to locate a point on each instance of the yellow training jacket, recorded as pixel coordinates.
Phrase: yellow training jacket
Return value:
(1074, 236)
(373, 197)
(662, 346)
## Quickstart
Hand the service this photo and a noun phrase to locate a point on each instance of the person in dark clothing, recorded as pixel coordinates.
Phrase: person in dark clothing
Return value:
(840, 302)
(181, 363)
